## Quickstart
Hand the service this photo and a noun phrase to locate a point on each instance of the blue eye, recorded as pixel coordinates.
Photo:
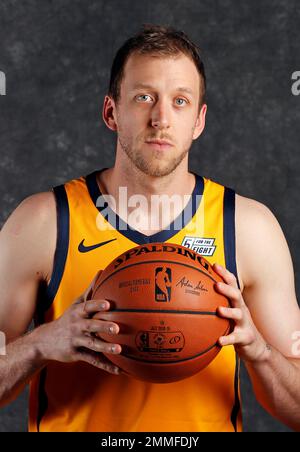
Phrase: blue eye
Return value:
(142, 95)
(181, 99)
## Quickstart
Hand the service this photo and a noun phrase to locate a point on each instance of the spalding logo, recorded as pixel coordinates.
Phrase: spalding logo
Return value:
(145, 249)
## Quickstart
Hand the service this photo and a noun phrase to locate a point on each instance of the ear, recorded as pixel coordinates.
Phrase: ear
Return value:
(200, 122)
(109, 113)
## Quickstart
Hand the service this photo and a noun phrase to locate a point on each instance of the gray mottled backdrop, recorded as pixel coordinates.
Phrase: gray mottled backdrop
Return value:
(57, 55)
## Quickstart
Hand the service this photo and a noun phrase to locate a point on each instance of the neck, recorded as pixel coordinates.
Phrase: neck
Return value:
(124, 174)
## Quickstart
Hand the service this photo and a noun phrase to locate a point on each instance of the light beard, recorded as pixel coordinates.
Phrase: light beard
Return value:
(154, 168)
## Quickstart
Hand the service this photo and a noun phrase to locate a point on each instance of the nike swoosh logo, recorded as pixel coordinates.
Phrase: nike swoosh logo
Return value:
(85, 249)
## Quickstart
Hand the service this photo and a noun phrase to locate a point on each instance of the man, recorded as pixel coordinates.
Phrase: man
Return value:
(60, 240)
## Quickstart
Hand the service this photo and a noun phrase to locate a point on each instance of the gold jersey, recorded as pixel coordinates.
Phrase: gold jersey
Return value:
(80, 397)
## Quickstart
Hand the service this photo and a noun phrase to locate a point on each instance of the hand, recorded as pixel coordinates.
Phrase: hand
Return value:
(248, 342)
(72, 337)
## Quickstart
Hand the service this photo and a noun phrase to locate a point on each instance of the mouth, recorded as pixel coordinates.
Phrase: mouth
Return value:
(159, 144)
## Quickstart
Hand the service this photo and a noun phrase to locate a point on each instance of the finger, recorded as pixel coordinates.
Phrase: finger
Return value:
(97, 345)
(233, 293)
(97, 361)
(231, 313)
(92, 306)
(99, 326)
(89, 307)
(100, 316)
(227, 276)
(235, 338)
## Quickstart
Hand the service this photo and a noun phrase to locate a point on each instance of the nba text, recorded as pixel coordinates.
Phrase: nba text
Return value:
(2, 84)
(296, 85)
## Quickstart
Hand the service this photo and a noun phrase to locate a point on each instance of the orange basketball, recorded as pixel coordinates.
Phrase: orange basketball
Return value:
(162, 297)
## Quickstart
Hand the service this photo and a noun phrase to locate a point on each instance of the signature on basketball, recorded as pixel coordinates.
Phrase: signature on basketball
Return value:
(184, 282)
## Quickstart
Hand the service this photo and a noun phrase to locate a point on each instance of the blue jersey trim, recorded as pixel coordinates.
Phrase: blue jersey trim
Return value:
(137, 237)
(62, 244)
(230, 261)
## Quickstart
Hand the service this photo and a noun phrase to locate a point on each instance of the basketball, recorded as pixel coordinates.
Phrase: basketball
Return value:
(162, 297)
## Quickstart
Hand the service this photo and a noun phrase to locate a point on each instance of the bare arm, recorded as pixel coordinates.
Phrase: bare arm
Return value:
(27, 247)
(266, 314)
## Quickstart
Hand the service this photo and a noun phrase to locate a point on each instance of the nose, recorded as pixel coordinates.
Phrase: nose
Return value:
(160, 116)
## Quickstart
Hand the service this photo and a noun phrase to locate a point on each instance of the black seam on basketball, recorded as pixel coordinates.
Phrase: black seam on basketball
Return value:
(135, 358)
(164, 311)
(154, 262)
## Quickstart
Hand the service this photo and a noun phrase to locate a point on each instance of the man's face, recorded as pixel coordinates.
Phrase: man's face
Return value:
(159, 101)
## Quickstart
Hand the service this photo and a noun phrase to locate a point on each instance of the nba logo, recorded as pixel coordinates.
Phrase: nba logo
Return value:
(163, 280)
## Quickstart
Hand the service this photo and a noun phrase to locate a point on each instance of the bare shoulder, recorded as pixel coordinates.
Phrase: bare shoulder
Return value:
(40, 204)
(247, 208)
(31, 228)
(27, 249)
(265, 265)
(259, 238)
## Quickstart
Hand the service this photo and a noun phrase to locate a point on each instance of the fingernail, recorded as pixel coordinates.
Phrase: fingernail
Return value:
(103, 305)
